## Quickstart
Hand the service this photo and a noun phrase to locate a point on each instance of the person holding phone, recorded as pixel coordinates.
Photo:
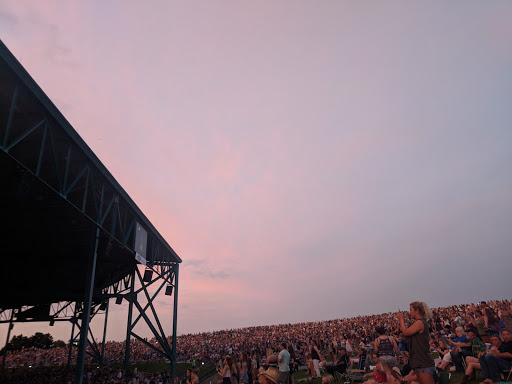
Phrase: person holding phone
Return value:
(417, 338)
(225, 371)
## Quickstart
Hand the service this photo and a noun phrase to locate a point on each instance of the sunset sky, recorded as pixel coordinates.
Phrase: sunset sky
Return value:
(307, 160)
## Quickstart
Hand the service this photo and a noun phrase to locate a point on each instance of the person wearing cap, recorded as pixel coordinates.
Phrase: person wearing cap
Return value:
(465, 349)
(283, 360)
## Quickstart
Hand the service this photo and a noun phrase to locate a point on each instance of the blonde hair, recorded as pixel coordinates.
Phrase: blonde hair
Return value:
(422, 308)
(329, 378)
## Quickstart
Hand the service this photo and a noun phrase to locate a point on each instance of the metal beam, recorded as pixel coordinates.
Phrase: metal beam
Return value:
(150, 345)
(7, 340)
(147, 305)
(73, 321)
(11, 114)
(129, 324)
(174, 321)
(86, 312)
(151, 326)
(104, 335)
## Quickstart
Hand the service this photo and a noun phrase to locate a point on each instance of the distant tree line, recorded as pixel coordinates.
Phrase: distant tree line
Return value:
(38, 340)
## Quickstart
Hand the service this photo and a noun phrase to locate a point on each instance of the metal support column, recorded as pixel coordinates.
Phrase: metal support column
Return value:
(72, 338)
(174, 321)
(104, 334)
(8, 337)
(86, 310)
(132, 296)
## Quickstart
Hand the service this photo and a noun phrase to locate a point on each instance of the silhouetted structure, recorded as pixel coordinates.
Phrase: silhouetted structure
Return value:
(71, 236)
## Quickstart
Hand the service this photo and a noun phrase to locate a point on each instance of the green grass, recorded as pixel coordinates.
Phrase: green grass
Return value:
(304, 377)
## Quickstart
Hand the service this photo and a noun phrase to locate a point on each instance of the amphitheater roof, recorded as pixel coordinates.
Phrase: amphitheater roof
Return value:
(55, 193)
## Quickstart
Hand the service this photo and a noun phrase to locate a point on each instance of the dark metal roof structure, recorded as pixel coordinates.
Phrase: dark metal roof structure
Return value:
(54, 194)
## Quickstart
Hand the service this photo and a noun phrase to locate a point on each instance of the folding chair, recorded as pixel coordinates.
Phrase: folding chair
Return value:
(509, 373)
(338, 371)
(357, 374)
(476, 349)
(339, 377)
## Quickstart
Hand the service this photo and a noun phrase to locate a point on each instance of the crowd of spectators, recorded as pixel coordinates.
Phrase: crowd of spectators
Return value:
(63, 375)
(331, 336)
(486, 318)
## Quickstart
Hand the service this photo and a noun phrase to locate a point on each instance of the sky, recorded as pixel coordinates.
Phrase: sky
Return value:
(306, 160)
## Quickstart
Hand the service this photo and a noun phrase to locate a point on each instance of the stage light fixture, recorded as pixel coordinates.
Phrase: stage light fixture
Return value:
(168, 290)
(148, 275)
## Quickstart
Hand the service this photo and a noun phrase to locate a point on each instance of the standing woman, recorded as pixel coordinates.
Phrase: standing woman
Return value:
(225, 371)
(387, 351)
(417, 337)
(478, 322)
(195, 376)
(293, 363)
(316, 356)
(244, 369)
(492, 323)
(255, 364)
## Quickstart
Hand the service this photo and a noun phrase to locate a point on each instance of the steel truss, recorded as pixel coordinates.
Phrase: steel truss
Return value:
(166, 275)
(45, 148)
(41, 140)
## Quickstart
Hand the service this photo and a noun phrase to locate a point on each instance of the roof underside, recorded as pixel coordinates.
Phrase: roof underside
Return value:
(48, 243)
(54, 195)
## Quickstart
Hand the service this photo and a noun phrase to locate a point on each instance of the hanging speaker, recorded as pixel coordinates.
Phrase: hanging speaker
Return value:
(148, 275)
(168, 290)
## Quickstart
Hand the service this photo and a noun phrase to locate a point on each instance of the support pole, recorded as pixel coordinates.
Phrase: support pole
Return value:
(8, 337)
(104, 334)
(11, 115)
(86, 310)
(174, 321)
(72, 338)
(132, 297)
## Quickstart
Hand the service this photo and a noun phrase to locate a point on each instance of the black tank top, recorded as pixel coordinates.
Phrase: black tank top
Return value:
(419, 349)
(385, 347)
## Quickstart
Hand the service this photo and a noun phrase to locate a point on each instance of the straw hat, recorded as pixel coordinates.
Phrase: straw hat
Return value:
(272, 374)
(272, 359)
